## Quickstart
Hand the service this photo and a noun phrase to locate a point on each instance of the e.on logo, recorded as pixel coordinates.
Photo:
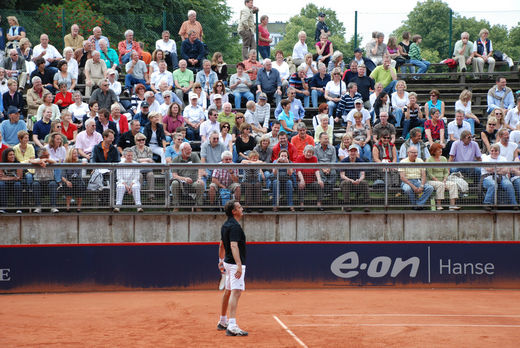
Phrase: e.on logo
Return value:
(5, 274)
(348, 266)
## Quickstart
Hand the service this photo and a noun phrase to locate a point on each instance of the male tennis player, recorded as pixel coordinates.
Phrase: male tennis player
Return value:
(232, 256)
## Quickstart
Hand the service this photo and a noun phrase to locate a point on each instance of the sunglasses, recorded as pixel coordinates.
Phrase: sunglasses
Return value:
(498, 113)
(386, 137)
(226, 127)
(239, 117)
(141, 139)
(492, 124)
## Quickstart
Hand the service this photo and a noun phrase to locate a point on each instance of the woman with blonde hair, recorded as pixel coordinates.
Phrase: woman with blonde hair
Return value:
(346, 141)
(157, 56)
(15, 32)
(336, 62)
(489, 135)
(499, 115)
(72, 182)
(464, 103)
(219, 66)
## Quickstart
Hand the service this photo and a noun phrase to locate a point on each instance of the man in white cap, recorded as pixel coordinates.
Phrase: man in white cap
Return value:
(217, 104)
(194, 116)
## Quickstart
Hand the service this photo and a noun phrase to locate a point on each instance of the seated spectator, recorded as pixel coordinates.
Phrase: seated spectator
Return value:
(46, 51)
(161, 75)
(488, 135)
(334, 90)
(10, 128)
(219, 67)
(284, 144)
(24, 153)
(252, 66)
(136, 72)
(143, 154)
(3, 146)
(302, 139)
(10, 181)
(174, 149)
(103, 123)
(244, 143)
(384, 151)
(73, 40)
(220, 89)
(252, 182)
(63, 98)
(351, 72)
(127, 46)
(415, 55)
(344, 145)
(324, 127)
(283, 68)
(512, 119)
(172, 120)
(240, 86)
(413, 116)
(491, 179)
(15, 32)
(202, 97)
(193, 116)
(404, 48)
(346, 103)
(64, 76)
(105, 151)
(336, 62)
(361, 60)
(192, 51)
(95, 70)
(300, 50)
(283, 181)
(382, 104)
(68, 129)
(466, 150)
(72, 181)
(72, 64)
(287, 118)
(155, 137)
(508, 150)
(323, 109)
(191, 24)
(183, 79)
(169, 47)
(386, 74)
(317, 83)
(35, 96)
(228, 116)
(500, 97)
(483, 53)
(146, 56)
(212, 150)
(364, 84)
(42, 128)
(455, 129)
(392, 49)
(435, 102)
(376, 49)
(15, 68)
(415, 141)
(104, 96)
(44, 178)
(358, 107)
(217, 103)
(378, 88)
(296, 106)
(326, 153)
(206, 77)
(209, 126)
(47, 103)
(26, 52)
(249, 117)
(108, 55)
(269, 82)
(399, 101)
(96, 37)
(128, 181)
(187, 180)
(434, 129)
(79, 109)
(224, 179)
(45, 74)
(87, 139)
(383, 125)
(324, 50)
(299, 82)
(127, 139)
(265, 153)
(64, 142)
(438, 179)
(309, 178)
(413, 181)
(463, 51)
(273, 134)
(13, 97)
(165, 98)
(353, 181)
(82, 55)
(361, 134)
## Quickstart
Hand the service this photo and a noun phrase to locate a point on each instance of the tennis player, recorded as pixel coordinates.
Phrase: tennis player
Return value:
(232, 256)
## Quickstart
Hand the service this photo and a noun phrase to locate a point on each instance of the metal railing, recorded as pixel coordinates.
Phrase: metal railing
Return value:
(349, 187)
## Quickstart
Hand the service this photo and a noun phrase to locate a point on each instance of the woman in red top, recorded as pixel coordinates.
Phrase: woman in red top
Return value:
(324, 49)
(63, 98)
(434, 128)
(120, 119)
(68, 129)
(309, 178)
(264, 42)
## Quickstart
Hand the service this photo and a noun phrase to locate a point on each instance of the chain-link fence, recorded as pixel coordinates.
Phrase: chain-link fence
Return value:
(285, 187)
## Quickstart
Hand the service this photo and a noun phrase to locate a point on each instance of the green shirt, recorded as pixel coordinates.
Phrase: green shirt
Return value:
(415, 52)
(381, 75)
(183, 78)
(438, 173)
(191, 173)
(222, 117)
(110, 58)
(467, 51)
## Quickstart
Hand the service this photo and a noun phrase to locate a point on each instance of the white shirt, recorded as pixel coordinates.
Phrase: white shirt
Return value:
(116, 87)
(128, 175)
(309, 72)
(334, 88)
(455, 130)
(350, 116)
(398, 102)
(154, 107)
(72, 68)
(169, 45)
(514, 137)
(207, 127)
(508, 151)
(283, 69)
(460, 106)
(51, 52)
(158, 76)
(512, 117)
(78, 111)
(487, 158)
(299, 50)
(194, 114)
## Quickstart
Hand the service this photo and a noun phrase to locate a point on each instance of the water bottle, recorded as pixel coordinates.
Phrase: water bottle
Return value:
(432, 204)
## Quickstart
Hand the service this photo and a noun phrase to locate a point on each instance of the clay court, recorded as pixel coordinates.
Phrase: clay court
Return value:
(274, 318)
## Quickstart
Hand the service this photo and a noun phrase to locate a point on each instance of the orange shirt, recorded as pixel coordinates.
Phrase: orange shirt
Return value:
(248, 64)
(187, 26)
(300, 144)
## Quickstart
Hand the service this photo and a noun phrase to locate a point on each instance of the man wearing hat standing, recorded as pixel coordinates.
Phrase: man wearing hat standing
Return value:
(321, 27)
(10, 128)
(353, 179)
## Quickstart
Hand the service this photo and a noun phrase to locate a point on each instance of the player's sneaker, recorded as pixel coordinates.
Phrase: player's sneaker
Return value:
(235, 331)
(222, 326)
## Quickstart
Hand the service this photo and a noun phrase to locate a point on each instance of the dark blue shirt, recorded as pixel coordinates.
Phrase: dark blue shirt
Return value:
(192, 50)
(317, 82)
(352, 173)
(41, 129)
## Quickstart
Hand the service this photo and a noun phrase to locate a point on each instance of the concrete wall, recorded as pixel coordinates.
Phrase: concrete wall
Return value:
(86, 229)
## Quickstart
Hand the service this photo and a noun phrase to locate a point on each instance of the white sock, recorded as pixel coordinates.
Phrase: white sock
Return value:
(232, 322)
(223, 319)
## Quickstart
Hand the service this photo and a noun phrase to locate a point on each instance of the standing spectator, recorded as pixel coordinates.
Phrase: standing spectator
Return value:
(413, 116)
(46, 51)
(353, 180)
(246, 27)
(169, 47)
(309, 178)
(187, 180)
(127, 46)
(73, 40)
(219, 67)
(15, 68)
(483, 53)
(413, 181)
(269, 82)
(300, 49)
(95, 70)
(183, 79)
(191, 24)
(491, 178)
(466, 150)
(438, 178)
(334, 90)
(500, 96)
(192, 51)
(136, 72)
(109, 55)
(264, 41)
(318, 84)
(321, 27)
(240, 85)
(128, 181)
(463, 51)
(376, 49)
(415, 55)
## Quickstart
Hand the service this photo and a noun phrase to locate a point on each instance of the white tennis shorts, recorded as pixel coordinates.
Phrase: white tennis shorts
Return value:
(233, 283)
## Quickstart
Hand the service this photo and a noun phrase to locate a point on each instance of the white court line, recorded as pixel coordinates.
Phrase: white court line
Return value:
(401, 325)
(406, 315)
(300, 342)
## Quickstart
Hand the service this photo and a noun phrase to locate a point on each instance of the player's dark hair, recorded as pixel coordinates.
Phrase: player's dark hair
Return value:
(228, 208)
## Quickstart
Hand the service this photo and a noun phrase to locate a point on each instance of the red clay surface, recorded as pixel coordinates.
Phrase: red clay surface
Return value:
(318, 318)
